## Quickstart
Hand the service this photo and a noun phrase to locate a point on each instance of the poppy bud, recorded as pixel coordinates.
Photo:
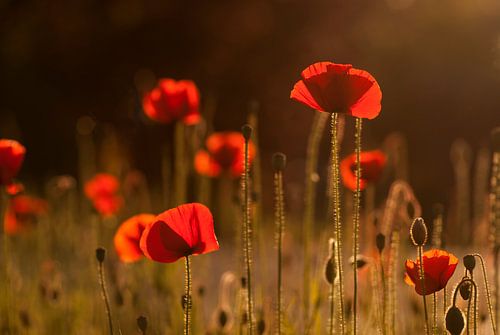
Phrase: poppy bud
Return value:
(330, 271)
(418, 232)
(243, 282)
(100, 254)
(454, 321)
(465, 290)
(261, 326)
(361, 261)
(469, 262)
(246, 130)
(142, 323)
(380, 242)
(279, 161)
(222, 319)
(495, 139)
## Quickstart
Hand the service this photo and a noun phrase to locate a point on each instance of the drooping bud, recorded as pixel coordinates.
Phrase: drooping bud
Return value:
(330, 271)
(361, 261)
(454, 321)
(246, 130)
(469, 262)
(100, 254)
(380, 242)
(465, 290)
(279, 161)
(142, 323)
(418, 232)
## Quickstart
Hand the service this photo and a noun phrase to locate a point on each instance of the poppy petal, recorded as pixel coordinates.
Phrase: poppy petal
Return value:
(128, 236)
(205, 165)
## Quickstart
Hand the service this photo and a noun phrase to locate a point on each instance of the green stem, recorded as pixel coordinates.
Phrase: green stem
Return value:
(336, 216)
(105, 297)
(247, 235)
(422, 278)
(355, 232)
(187, 297)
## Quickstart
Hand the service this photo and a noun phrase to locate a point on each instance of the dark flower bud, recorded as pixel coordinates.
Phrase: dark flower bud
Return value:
(142, 323)
(246, 130)
(330, 271)
(418, 232)
(361, 261)
(469, 262)
(454, 321)
(261, 326)
(465, 290)
(243, 282)
(279, 161)
(380, 242)
(222, 318)
(100, 254)
(495, 139)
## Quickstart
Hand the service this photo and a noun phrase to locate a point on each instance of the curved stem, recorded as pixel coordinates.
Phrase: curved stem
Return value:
(187, 297)
(457, 289)
(335, 191)
(422, 278)
(355, 230)
(104, 293)
(488, 294)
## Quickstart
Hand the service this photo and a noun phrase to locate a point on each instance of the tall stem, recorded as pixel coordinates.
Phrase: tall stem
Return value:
(180, 181)
(355, 230)
(247, 236)
(488, 293)
(105, 297)
(434, 314)
(187, 297)
(336, 217)
(280, 227)
(422, 278)
(444, 307)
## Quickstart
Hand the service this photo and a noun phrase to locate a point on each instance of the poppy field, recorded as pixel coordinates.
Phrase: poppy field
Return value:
(169, 223)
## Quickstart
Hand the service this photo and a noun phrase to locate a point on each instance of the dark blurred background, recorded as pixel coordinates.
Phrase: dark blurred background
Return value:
(438, 63)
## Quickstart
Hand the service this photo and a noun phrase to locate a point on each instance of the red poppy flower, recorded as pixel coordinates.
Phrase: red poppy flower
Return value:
(338, 88)
(14, 188)
(102, 190)
(22, 213)
(182, 231)
(372, 166)
(439, 266)
(224, 154)
(11, 158)
(173, 100)
(128, 236)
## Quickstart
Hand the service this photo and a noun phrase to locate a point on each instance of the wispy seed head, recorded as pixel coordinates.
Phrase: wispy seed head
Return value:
(279, 161)
(454, 321)
(418, 232)
(469, 262)
(100, 254)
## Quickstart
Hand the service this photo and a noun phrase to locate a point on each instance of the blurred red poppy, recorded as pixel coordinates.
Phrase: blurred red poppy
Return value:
(224, 154)
(372, 166)
(102, 190)
(173, 100)
(439, 266)
(22, 213)
(182, 231)
(11, 158)
(128, 236)
(338, 88)
(14, 188)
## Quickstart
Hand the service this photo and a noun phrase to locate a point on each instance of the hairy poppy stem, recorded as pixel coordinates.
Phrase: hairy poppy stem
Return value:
(355, 231)
(444, 307)
(434, 314)
(313, 143)
(247, 227)
(422, 278)
(454, 301)
(384, 289)
(336, 216)
(187, 301)
(279, 218)
(494, 219)
(488, 293)
(100, 255)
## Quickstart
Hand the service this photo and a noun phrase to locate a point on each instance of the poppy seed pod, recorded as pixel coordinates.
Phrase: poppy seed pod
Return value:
(469, 262)
(142, 323)
(330, 271)
(100, 254)
(454, 321)
(246, 130)
(380, 242)
(495, 139)
(418, 232)
(465, 290)
(279, 161)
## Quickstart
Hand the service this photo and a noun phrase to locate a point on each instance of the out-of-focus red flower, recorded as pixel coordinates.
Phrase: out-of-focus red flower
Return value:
(22, 213)
(173, 100)
(338, 88)
(14, 188)
(372, 166)
(182, 231)
(11, 158)
(128, 236)
(224, 154)
(439, 266)
(102, 190)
